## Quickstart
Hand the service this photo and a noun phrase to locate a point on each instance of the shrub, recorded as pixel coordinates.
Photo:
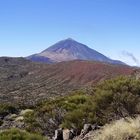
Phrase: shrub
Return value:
(16, 134)
(5, 109)
(31, 123)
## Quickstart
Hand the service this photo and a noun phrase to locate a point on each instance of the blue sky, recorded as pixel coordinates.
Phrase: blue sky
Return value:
(111, 27)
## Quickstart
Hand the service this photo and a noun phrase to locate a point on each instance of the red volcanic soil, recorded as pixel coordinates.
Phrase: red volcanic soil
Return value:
(86, 72)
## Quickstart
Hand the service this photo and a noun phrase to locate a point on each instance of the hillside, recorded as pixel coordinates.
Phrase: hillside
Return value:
(69, 49)
(22, 81)
(41, 98)
(81, 113)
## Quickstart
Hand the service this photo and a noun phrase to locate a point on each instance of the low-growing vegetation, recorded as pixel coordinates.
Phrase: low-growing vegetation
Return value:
(6, 109)
(110, 100)
(16, 134)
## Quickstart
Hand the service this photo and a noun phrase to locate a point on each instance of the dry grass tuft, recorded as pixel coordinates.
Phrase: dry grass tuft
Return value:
(124, 129)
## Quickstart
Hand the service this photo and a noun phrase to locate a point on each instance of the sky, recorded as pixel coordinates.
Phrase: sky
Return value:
(111, 27)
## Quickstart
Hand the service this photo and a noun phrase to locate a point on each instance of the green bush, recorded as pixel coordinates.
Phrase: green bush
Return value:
(31, 123)
(16, 134)
(123, 98)
(72, 111)
(5, 109)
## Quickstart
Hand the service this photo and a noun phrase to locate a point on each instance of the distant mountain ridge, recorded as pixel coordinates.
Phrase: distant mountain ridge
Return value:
(68, 50)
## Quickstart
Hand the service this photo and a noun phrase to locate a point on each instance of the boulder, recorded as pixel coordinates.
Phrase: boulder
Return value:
(95, 127)
(58, 134)
(68, 134)
(85, 130)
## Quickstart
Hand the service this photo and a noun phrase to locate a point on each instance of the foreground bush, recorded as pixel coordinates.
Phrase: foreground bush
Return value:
(15, 134)
(128, 129)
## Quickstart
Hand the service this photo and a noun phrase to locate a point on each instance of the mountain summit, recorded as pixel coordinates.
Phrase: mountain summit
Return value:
(69, 49)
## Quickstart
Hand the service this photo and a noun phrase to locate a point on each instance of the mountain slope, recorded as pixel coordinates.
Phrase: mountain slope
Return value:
(69, 49)
(23, 81)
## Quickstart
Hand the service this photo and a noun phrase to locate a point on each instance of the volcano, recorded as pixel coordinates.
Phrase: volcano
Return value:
(68, 50)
